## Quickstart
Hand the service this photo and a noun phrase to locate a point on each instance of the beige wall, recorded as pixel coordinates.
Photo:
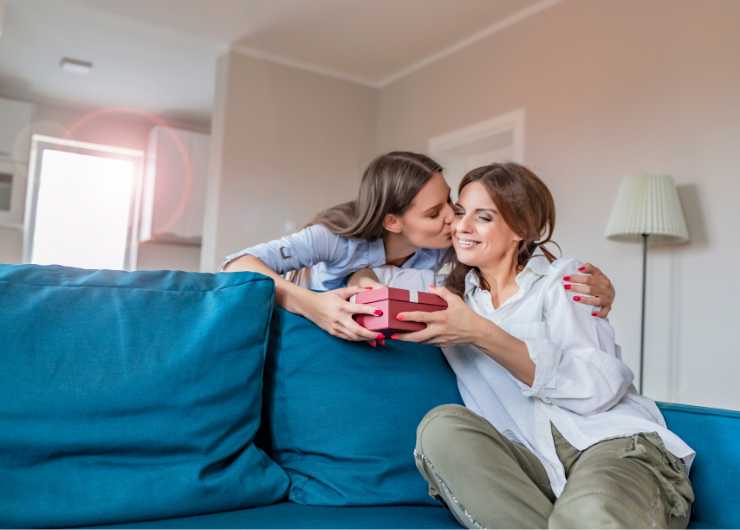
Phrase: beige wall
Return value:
(616, 88)
(117, 128)
(290, 143)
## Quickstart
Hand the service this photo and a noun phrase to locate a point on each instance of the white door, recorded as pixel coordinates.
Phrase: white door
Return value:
(500, 139)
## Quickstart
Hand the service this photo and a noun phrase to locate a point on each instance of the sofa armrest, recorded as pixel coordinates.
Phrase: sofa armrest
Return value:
(715, 473)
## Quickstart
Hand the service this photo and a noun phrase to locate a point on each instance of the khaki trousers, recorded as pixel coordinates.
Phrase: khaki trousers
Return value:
(488, 481)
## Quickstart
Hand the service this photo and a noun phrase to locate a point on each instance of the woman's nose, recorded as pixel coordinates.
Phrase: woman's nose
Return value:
(462, 224)
(448, 214)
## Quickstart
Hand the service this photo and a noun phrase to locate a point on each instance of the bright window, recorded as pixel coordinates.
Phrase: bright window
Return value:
(83, 207)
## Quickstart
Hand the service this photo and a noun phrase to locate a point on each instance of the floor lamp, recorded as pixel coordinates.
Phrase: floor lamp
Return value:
(647, 206)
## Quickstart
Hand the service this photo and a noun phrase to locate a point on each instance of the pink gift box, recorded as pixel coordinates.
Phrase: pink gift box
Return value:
(393, 301)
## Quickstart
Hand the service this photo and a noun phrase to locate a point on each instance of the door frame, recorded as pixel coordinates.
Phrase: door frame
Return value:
(509, 122)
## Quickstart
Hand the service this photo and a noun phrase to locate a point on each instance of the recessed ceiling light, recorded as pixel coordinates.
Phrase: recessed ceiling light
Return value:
(75, 66)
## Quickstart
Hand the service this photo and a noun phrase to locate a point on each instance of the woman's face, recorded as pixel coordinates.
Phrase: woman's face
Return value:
(480, 235)
(427, 222)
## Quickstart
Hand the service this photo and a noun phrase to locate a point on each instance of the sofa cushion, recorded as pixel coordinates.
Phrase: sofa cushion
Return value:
(340, 417)
(131, 395)
(292, 515)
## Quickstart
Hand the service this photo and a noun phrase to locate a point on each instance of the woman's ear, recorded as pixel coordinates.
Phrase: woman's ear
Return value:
(392, 223)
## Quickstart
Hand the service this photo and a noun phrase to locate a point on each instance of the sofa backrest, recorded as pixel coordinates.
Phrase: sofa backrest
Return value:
(715, 474)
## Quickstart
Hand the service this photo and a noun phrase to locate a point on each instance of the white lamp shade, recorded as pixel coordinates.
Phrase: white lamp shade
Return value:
(647, 204)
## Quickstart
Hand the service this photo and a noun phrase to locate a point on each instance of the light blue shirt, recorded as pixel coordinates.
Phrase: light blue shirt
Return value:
(332, 258)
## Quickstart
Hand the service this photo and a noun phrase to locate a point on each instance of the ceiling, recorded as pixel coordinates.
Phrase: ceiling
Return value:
(159, 56)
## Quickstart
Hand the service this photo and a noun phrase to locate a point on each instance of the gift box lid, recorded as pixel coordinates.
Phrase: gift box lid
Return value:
(403, 295)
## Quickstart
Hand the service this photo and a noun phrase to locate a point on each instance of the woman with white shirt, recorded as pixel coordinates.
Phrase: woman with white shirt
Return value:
(553, 433)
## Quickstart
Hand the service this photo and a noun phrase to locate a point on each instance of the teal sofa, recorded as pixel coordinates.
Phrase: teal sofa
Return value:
(180, 400)
(714, 433)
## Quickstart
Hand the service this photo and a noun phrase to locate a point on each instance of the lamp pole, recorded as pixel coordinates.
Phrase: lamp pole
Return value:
(642, 318)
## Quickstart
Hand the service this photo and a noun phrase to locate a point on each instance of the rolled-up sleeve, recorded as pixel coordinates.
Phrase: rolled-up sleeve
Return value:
(312, 245)
(577, 365)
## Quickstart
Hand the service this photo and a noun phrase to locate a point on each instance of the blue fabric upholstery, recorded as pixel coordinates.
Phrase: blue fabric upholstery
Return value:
(715, 475)
(130, 396)
(292, 515)
(341, 417)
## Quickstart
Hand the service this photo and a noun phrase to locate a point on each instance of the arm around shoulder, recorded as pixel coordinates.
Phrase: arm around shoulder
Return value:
(574, 368)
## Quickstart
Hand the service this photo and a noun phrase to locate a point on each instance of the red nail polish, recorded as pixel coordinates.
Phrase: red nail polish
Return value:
(368, 288)
(567, 286)
(582, 268)
(378, 313)
(372, 343)
(394, 337)
(576, 298)
(594, 314)
(566, 278)
(380, 336)
(400, 316)
(382, 342)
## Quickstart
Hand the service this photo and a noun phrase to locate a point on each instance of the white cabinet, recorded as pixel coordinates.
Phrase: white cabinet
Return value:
(174, 186)
(15, 119)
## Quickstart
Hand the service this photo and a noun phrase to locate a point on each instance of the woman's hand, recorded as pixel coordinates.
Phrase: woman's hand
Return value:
(332, 312)
(595, 286)
(456, 324)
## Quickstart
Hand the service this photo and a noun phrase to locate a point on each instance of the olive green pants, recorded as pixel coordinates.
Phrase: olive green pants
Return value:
(488, 481)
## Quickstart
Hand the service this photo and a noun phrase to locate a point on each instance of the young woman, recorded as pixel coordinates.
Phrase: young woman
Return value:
(401, 217)
(553, 433)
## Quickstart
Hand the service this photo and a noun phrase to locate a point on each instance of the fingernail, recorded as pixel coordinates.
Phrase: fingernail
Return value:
(372, 343)
(380, 336)
(594, 314)
(394, 337)
(382, 342)
(576, 298)
(566, 278)
(582, 268)
(399, 316)
(567, 286)
(378, 313)
(368, 288)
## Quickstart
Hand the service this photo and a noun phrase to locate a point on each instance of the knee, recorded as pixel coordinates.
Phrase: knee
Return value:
(436, 432)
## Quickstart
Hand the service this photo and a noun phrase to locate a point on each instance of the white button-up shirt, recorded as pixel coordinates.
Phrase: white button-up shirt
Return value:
(580, 383)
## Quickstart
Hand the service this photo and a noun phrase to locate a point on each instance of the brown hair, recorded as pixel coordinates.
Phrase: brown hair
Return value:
(388, 186)
(525, 204)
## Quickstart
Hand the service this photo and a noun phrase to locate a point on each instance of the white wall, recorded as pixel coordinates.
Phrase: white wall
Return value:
(616, 88)
(286, 144)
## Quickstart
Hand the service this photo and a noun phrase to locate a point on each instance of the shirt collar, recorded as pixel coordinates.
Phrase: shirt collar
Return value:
(537, 267)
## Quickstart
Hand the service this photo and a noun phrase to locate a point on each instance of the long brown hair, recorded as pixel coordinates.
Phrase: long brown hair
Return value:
(388, 186)
(525, 204)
